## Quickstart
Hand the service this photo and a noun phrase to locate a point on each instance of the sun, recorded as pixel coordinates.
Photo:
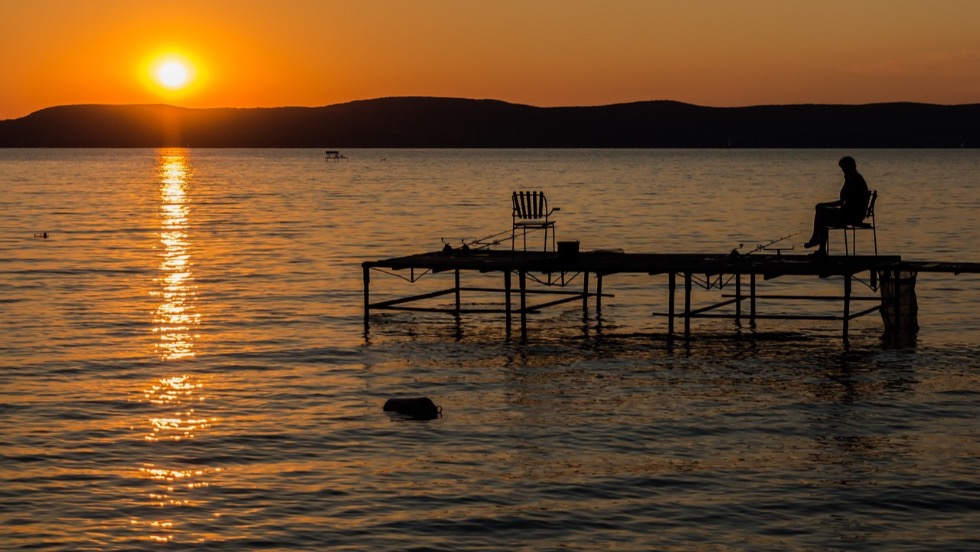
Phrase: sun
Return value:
(173, 75)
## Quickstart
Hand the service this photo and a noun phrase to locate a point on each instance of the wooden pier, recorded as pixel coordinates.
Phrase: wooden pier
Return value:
(740, 274)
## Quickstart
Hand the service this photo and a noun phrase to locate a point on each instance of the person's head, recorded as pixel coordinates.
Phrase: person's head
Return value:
(847, 164)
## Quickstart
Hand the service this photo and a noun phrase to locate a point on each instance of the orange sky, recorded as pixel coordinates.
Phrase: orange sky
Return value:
(248, 53)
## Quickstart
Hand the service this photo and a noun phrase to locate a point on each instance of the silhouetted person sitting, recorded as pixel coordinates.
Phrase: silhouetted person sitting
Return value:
(849, 209)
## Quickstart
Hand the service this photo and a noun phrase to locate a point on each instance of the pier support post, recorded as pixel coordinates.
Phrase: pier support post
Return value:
(457, 292)
(752, 299)
(847, 304)
(671, 287)
(367, 294)
(585, 293)
(522, 283)
(687, 305)
(507, 307)
(738, 299)
(598, 294)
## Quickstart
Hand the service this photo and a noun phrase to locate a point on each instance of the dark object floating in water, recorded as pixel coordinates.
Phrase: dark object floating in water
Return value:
(418, 408)
(42, 235)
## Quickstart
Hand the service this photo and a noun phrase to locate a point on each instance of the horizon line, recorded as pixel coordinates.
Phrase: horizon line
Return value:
(380, 98)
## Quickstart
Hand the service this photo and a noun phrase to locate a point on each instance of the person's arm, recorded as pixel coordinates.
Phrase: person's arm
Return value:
(841, 200)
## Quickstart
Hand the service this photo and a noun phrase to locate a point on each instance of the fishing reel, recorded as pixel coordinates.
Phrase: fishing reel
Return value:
(447, 248)
(768, 246)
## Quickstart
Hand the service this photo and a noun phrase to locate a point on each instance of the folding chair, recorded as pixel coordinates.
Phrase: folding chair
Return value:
(531, 213)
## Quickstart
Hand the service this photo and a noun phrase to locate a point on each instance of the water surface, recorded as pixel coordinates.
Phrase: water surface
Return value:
(184, 361)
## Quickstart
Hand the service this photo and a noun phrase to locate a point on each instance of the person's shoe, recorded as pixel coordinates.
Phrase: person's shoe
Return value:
(811, 243)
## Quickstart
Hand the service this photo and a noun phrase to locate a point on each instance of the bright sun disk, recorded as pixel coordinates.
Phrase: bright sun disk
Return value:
(172, 74)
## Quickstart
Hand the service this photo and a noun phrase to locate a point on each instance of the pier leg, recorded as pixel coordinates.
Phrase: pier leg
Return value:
(847, 304)
(671, 287)
(367, 295)
(598, 294)
(897, 297)
(457, 291)
(687, 305)
(585, 294)
(752, 299)
(738, 299)
(507, 308)
(522, 283)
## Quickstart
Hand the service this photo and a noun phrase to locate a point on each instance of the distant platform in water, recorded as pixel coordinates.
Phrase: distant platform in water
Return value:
(334, 155)
(555, 272)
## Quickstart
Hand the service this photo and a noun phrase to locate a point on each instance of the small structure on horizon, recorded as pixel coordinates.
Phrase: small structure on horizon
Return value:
(334, 155)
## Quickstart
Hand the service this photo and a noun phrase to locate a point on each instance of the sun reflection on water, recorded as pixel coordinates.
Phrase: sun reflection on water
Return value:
(178, 480)
(183, 423)
(176, 316)
(176, 474)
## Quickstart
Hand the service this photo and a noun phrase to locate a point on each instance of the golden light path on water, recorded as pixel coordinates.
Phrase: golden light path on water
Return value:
(173, 398)
(175, 318)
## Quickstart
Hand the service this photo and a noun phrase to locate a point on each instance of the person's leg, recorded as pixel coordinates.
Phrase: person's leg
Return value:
(830, 217)
(819, 226)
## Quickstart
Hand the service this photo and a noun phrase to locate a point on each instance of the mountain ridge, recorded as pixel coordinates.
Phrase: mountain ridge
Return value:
(415, 121)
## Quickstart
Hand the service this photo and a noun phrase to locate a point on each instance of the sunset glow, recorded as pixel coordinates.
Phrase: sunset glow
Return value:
(548, 53)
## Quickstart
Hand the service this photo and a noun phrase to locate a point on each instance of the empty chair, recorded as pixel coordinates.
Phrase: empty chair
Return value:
(531, 213)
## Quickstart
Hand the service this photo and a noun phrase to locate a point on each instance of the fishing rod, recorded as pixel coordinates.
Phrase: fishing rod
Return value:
(479, 243)
(765, 246)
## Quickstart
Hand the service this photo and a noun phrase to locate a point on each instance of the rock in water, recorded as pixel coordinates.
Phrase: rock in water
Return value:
(419, 408)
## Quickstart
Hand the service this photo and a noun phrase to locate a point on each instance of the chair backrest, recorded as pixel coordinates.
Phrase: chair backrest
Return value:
(530, 205)
(871, 205)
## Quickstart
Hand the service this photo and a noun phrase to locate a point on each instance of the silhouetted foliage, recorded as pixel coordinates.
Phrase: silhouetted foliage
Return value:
(449, 122)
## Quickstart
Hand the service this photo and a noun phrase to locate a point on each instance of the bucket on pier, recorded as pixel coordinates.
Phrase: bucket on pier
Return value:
(568, 250)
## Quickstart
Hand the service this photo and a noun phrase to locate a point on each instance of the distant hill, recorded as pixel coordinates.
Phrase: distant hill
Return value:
(461, 123)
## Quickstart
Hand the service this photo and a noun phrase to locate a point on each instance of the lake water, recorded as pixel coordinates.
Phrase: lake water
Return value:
(184, 364)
